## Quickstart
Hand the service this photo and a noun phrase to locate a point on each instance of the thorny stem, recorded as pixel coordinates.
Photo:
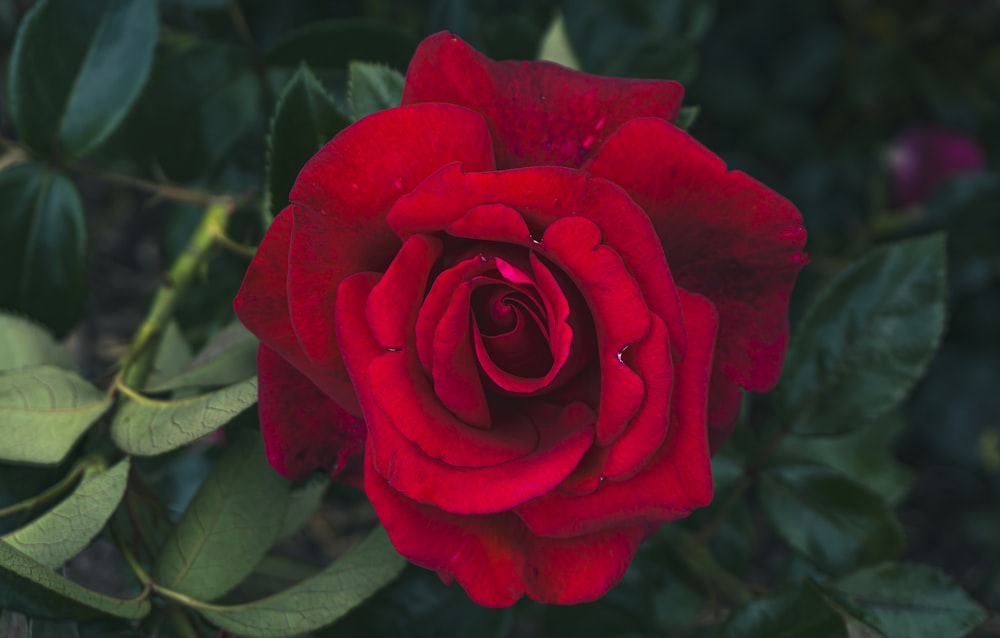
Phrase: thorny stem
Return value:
(166, 191)
(139, 359)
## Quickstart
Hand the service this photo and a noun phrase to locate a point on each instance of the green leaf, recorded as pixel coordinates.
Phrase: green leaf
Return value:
(303, 502)
(418, 605)
(833, 521)
(332, 45)
(867, 339)
(791, 614)
(43, 411)
(31, 588)
(319, 600)
(556, 47)
(229, 357)
(373, 87)
(173, 354)
(865, 455)
(62, 532)
(907, 601)
(145, 426)
(687, 117)
(229, 526)
(23, 344)
(42, 245)
(306, 118)
(76, 69)
(209, 94)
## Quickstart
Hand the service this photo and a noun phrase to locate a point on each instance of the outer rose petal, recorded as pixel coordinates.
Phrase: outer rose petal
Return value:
(262, 306)
(343, 195)
(676, 481)
(538, 112)
(726, 236)
(303, 430)
(495, 558)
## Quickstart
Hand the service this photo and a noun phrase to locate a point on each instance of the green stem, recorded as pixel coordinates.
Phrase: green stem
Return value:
(703, 564)
(81, 468)
(138, 361)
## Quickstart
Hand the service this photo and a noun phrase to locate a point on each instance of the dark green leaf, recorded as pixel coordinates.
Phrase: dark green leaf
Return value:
(303, 502)
(865, 455)
(145, 426)
(24, 343)
(202, 99)
(62, 532)
(229, 357)
(332, 45)
(867, 339)
(76, 69)
(645, 38)
(43, 411)
(229, 526)
(29, 587)
(373, 87)
(306, 118)
(319, 600)
(908, 601)
(791, 614)
(836, 523)
(42, 245)
(419, 605)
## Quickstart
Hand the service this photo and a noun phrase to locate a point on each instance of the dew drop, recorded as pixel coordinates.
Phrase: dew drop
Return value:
(393, 349)
(621, 353)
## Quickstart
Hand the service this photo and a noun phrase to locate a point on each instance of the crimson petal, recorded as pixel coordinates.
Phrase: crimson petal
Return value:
(727, 237)
(677, 480)
(495, 558)
(538, 112)
(342, 197)
(303, 429)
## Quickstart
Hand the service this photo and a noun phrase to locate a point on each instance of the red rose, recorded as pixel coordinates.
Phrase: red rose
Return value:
(525, 301)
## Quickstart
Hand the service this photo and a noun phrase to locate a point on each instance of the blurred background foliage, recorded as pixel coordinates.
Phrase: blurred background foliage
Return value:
(815, 99)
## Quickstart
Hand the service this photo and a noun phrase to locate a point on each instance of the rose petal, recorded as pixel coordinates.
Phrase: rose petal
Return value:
(542, 195)
(436, 303)
(393, 305)
(262, 306)
(645, 434)
(538, 112)
(677, 480)
(726, 236)
(303, 429)
(621, 318)
(344, 193)
(456, 371)
(488, 488)
(495, 558)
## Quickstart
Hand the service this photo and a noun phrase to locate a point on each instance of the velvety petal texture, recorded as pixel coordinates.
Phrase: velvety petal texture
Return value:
(519, 311)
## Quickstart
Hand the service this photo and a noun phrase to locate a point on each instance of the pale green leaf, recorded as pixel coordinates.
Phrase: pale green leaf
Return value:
(62, 532)
(23, 344)
(319, 600)
(29, 587)
(229, 526)
(229, 357)
(145, 426)
(43, 411)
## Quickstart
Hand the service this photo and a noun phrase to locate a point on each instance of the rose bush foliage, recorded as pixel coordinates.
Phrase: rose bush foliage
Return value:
(518, 311)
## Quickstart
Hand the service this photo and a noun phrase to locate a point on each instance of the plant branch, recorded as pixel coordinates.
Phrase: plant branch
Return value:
(138, 360)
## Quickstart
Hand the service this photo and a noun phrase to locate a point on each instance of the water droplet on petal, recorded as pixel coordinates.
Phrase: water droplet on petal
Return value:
(621, 353)
(393, 349)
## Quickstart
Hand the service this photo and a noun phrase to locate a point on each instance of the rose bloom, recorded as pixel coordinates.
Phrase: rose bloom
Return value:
(927, 156)
(518, 311)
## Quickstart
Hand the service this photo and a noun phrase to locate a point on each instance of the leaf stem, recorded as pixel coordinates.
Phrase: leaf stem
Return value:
(138, 360)
(82, 467)
(703, 563)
